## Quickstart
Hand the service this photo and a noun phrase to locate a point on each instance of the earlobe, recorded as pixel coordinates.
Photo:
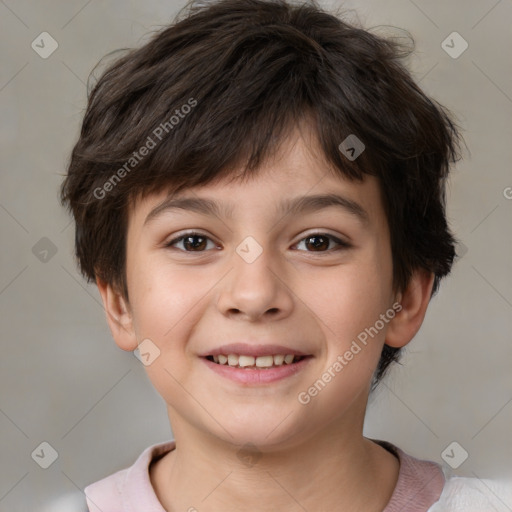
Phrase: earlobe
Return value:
(119, 317)
(414, 301)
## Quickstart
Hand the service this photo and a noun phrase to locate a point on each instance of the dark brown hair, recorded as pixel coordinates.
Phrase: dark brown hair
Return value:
(221, 86)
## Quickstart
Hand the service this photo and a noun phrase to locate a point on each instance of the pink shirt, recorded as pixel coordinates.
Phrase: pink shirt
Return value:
(420, 484)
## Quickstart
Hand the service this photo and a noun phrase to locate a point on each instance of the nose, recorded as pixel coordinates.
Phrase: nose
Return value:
(256, 289)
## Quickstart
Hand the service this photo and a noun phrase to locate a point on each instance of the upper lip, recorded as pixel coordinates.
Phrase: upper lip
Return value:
(244, 349)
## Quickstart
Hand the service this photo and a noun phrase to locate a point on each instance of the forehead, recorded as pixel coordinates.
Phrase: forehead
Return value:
(295, 179)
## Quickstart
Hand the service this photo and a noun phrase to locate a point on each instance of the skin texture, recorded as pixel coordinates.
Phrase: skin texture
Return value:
(317, 300)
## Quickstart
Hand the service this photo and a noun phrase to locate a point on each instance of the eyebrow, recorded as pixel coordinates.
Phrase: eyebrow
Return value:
(293, 206)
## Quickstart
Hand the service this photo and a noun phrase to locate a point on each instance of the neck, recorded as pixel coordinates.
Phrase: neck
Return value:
(335, 469)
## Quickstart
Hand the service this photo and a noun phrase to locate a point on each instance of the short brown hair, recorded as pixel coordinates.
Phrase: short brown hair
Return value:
(248, 71)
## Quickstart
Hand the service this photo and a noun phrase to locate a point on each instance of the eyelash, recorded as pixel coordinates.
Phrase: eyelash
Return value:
(341, 244)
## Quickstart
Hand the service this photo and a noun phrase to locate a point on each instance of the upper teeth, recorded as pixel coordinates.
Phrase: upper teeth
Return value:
(260, 361)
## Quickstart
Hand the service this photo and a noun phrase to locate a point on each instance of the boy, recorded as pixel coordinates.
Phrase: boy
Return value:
(259, 195)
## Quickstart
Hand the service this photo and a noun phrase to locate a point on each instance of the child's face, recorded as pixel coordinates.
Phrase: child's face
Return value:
(311, 295)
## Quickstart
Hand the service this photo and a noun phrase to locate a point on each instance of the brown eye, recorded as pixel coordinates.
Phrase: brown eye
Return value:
(192, 242)
(315, 242)
(319, 242)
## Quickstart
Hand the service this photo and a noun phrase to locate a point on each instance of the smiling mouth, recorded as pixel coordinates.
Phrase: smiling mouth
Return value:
(255, 363)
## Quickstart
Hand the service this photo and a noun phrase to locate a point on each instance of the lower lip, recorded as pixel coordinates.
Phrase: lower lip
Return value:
(253, 376)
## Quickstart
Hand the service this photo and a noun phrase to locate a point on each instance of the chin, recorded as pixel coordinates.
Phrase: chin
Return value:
(261, 436)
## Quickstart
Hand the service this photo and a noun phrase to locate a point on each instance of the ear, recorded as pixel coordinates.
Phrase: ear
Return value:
(119, 317)
(414, 301)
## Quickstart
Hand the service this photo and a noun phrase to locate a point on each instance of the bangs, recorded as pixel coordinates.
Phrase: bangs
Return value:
(240, 106)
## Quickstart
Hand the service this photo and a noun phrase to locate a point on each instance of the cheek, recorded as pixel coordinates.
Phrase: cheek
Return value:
(166, 299)
(350, 298)
(350, 310)
(349, 313)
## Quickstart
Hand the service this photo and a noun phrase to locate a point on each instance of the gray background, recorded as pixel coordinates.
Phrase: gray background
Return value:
(64, 381)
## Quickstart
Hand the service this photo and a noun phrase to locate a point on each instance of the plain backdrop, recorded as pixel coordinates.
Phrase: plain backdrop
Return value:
(63, 380)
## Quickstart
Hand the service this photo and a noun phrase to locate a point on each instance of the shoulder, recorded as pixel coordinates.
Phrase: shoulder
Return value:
(464, 494)
(106, 494)
(129, 485)
(427, 486)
